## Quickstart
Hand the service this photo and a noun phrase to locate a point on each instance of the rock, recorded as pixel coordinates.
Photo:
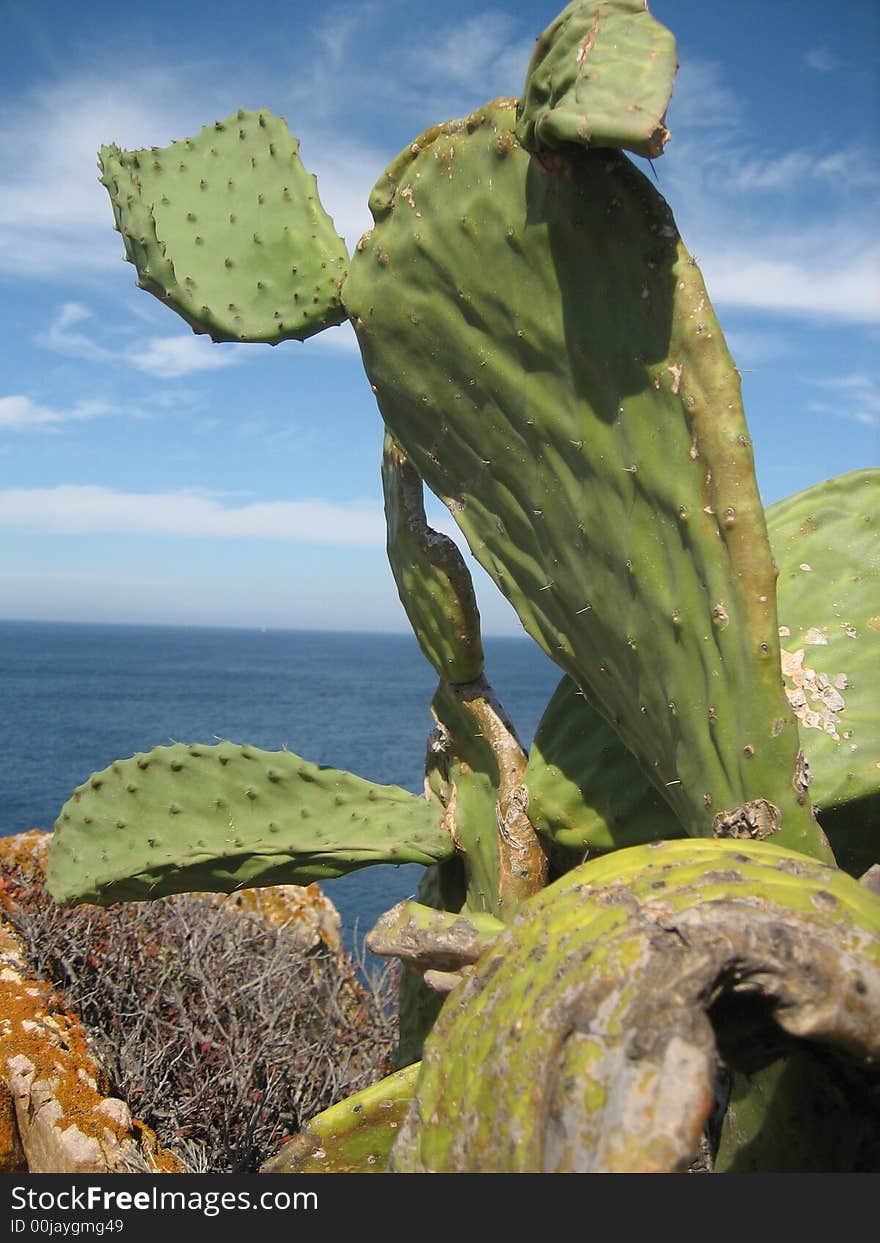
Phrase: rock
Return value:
(12, 1158)
(302, 910)
(55, 1114)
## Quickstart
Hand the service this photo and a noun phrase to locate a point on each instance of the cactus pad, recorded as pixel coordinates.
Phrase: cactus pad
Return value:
(355, 1136)
(601, 76)
(586, 791)
(225, 817)
(826, 541)
(228, 229)
(799, 1115)
(638, 973)
(543, 348)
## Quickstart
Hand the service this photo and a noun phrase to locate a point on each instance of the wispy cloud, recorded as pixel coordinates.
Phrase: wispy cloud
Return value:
(762, 240)
(53, 213)
(855, 397)
(851, 168)
(821, 59)
(73, 509)
(752, 350)
(166, 358)
(800, 279)
(485, 48)
(20, 413)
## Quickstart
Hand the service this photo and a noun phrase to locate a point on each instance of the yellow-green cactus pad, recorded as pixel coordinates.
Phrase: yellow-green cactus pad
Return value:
(589, 1037)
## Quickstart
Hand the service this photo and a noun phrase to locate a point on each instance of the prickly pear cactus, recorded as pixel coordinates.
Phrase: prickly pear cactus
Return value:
(826, 541)
(587, 793)
(546, 359)
(228, 229)
(543, 348)
(223, 817)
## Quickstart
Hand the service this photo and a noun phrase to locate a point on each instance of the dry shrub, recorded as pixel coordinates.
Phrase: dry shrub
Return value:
(221, 1033)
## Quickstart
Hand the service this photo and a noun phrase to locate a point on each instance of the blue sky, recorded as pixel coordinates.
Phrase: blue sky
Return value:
(148, 475)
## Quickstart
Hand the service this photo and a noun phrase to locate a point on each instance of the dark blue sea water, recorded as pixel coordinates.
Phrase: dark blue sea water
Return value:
(76, 697)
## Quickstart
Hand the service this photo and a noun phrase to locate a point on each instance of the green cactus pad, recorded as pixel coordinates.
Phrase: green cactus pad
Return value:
(600, 76)
(543, 348)
(228, 229)
(637, 973)
(587, 792)
(799, 1115)
(227, 817)
(433, 582)
(826, 541)
(354, 1136)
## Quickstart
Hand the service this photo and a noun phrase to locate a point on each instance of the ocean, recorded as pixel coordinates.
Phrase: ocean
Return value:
(76, 697)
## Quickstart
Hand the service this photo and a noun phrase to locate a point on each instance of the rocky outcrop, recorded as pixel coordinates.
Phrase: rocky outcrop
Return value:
(54, 1116)
(300, 909)
(56, 1113)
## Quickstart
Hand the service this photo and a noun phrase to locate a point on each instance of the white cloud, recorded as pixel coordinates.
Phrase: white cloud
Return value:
(752, 350)
(701, 98)
(54, 216)
(20, 412)
(849, 168)
(72, 509)
(804, 281)
(857, 398)
(169, 358)
(165, 358)
(821, 59)
(809, 251)
(338, 340)
(484, 48)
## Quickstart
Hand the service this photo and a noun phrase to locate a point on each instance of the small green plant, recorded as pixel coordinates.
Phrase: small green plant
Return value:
(546, 359)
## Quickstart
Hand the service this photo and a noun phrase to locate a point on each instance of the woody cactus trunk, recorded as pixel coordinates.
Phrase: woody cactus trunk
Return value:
(546, 359)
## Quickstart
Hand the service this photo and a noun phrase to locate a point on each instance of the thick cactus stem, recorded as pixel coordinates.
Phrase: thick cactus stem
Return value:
(475, 770)
(226, 817)
(228, 229)
(433, 582)
(601, 76)
(638, 973)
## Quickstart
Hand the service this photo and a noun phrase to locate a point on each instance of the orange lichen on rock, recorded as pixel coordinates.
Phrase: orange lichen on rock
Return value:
(300, 909)
(50, 1082)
